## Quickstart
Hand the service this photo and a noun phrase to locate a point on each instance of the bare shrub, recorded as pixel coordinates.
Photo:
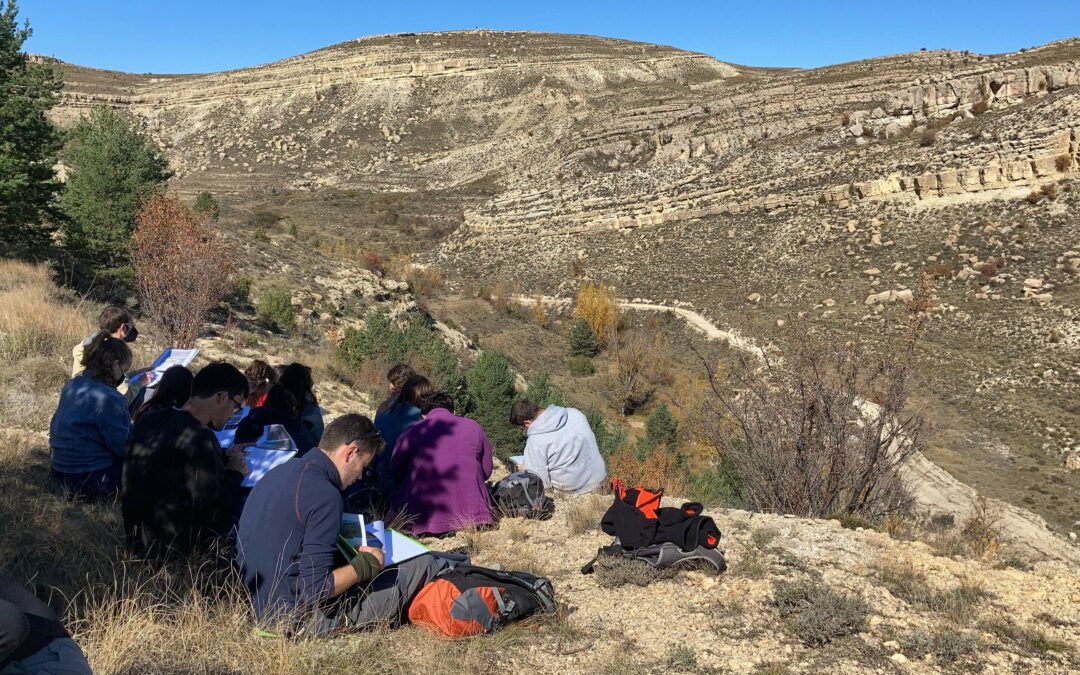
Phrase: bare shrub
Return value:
(1063, 162)
(823, 427)
(1050, 191)
(539, 312)
(373, 262)
(659, 468)
(637, 365)
(182, 266)
(425, 282)
(980, 107)
(928, 137)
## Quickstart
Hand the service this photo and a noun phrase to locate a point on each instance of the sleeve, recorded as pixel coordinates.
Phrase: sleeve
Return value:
(14, 629)
(205, 475)
(536, 460)
(485, 453)
(322, 523)
(114, 425)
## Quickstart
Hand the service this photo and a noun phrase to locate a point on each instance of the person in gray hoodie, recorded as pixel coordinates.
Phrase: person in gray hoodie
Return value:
(561, 447)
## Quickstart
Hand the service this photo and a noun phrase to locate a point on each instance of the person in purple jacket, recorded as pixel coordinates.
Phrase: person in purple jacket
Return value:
(440, 465)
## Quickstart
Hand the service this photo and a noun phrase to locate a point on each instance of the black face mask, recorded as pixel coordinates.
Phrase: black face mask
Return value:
(132, 333)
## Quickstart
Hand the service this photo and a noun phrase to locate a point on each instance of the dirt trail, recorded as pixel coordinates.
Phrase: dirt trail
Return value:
(934, 488)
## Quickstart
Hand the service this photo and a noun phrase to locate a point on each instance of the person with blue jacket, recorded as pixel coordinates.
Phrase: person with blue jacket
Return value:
(90, 427)
(560, 447)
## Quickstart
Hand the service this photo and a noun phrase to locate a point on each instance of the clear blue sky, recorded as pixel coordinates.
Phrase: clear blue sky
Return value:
(164, 36)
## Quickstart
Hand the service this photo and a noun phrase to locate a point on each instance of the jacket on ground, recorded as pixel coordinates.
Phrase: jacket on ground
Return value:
(440, 465)
(89, 430)
(562, 450)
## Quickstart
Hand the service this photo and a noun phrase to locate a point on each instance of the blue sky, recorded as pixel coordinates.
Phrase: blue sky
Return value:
(203, 35)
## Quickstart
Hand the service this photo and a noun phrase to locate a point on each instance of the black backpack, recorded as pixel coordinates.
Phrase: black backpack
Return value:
(522, 494)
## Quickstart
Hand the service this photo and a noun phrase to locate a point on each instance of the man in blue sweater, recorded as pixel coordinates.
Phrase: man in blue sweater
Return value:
(288, 538)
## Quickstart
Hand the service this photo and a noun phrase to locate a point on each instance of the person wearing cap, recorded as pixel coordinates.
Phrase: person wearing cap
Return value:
(287, 543)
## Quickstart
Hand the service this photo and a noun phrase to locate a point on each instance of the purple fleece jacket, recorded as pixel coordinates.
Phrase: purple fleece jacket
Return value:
(440, 464)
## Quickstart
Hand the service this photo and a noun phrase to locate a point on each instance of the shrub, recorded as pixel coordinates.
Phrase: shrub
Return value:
(681, 656)
(373, 262)
(240, 293)
(907, 584)
(1063, 162)
(596, 304)
(183, 268)
(802, 443)
(715, 486)
(291, 230)
(580, 366)
(424, 281)
(263, 219)
(636, 368)
(980, 107)
(112, 169)
(275, 309)
(1034, 197)
(947, 645)
(661, 428)
(928, 137)
(654, 468)
(539, 312)
(1050, 191)
(541, 391)
(608, 440)
(616, 571)
(206, 205)
(583, 340)
(1028, 638)
(817, 614)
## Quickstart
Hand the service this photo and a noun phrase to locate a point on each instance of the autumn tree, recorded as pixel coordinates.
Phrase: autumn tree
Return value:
(182, 267)
(596, 304)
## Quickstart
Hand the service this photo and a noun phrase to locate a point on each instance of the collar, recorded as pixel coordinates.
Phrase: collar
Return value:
(323, 460)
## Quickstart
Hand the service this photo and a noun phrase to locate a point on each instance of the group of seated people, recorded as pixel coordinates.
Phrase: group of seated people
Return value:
(181, 492)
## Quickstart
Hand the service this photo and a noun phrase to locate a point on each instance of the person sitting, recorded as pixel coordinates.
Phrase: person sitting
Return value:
(172, 391)
(178, 491)
(117, 322)
(32, 638)
(396, 378)
(296, 379)
(440, 465)
(393, 420)
(281, 408)
(288, 535)
(89, 430)
(260, 376)
(560, 447)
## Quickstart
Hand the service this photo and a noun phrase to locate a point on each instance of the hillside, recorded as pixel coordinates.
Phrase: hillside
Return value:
(749, 195)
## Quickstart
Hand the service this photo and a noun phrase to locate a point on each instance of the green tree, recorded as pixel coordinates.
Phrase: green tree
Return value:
(491, 394)
(28, 141)
(661, 430)
(275, 308)
(607, 439)
(112, 168)
(583, 340)
(206, 205)
(543, 392)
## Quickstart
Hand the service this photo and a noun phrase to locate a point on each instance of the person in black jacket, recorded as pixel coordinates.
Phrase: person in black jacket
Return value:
(178, 485)
(32, 639)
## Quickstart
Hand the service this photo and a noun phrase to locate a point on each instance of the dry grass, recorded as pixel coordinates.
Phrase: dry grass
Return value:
(903, 581)
(583, 515)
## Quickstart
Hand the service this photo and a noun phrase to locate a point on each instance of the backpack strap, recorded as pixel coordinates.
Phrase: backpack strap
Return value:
(614, 549)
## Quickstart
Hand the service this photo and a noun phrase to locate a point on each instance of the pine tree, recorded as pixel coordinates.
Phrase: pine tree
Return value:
(491, 394)
(583, 340)
(113, 168)
(28, 141)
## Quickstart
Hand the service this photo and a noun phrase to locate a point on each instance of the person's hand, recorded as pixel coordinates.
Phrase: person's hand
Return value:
(237, 460)
(376, 552)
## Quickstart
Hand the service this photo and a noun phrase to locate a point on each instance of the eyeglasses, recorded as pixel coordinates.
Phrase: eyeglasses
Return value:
(364, 437)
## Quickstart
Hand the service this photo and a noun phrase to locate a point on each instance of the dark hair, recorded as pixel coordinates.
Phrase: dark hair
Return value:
(260, 376)
(217, 377)
(278, 370)
(112, 317)
(413, 392)
(399, 375)
(103, 351)
(348, 428)
(282, 403)
(523, 411)
(174, 390)
(438, 399)
(297, 379)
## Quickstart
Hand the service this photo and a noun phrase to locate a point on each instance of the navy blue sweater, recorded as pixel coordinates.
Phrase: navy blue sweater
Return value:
(288, 536)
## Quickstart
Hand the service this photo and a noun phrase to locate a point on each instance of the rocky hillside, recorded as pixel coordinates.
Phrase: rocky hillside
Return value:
(749, 195)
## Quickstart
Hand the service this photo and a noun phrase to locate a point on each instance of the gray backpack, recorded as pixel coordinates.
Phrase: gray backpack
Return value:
(521, 494)
(665, 554)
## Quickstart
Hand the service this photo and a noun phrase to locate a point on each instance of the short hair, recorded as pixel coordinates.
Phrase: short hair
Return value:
(400, 374)
(348, 428)
(112, 317)
(217, 377)
(439, 399)
(104, 350)
(523, 411)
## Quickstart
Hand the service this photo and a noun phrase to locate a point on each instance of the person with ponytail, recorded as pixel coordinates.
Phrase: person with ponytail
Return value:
(89, 429)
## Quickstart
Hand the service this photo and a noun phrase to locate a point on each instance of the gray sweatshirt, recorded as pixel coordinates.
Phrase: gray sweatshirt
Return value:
(561, 449)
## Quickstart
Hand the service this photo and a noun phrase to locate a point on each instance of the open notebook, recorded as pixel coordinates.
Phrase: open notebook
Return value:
(397, 547)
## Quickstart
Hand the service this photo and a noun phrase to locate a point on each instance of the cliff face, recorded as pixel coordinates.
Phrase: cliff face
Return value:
(749, 194)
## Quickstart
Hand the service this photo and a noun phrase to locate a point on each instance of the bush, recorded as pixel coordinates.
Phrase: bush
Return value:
(264, 219)
(980, 107)
(112, 169)
(541, 391)
(583, 342)
(947, 645)
(637, 367)
(580, 366)
(715, 486)
(373, 262)
(275, 309)
(616, 571)
(206, 205)
(1063, 162)
(802, 443)
(240, 293)
(817, 614)
(928, 137)
(183, 268)
(609, 441)
(597, 306)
